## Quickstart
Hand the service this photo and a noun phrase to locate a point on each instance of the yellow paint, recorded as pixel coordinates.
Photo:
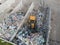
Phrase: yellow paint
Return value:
(32, 17)
(32, 25)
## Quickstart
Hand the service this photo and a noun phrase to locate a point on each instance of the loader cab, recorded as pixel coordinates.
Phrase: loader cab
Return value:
(32, 23)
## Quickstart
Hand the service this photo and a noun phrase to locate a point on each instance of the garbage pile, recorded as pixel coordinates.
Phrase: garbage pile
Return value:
(30, 38)
(32, 31)
(9, 26)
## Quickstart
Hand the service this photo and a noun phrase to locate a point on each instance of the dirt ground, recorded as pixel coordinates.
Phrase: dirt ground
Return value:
(55, 10)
